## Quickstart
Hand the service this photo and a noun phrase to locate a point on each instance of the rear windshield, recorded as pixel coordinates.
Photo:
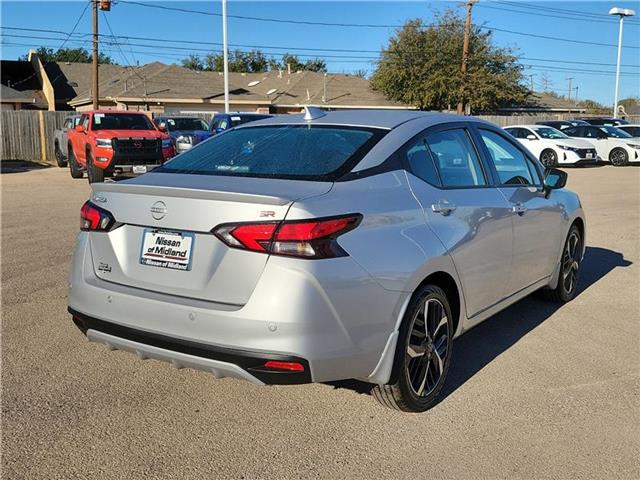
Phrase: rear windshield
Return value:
(121, 121)
(305, 152)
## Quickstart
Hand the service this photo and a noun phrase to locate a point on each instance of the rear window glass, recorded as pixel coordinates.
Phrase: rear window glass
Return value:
(307, 152)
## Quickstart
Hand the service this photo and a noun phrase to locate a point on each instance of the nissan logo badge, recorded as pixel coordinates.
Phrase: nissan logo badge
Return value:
(158, 210)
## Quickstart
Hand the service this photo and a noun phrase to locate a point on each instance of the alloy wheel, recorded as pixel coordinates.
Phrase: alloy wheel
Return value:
(427, 347)
(548, 158)
(618, 157)
(571, 262)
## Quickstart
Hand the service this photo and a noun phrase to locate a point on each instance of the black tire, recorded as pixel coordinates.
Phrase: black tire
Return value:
(94, 173)
(549, 158)
(569, 274)
(618, 157)
(74, 168)
(60, 160)
(411, 388)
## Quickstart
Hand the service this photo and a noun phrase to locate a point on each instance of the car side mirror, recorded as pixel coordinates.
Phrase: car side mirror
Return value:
(162, 127)
(554, 179)
(219, 130)
(531, 137)
(80, 129)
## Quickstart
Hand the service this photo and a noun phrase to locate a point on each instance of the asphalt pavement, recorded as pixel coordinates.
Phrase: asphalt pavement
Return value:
(538, 391)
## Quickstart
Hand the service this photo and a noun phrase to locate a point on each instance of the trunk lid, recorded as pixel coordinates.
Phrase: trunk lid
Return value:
(191, 205)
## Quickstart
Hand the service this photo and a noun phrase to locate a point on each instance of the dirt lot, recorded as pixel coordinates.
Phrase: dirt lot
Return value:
(535, 392)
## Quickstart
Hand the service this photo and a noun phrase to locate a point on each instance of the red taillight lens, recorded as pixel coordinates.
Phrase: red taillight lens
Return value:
(306, 239)
(94, 218)
(289, 366)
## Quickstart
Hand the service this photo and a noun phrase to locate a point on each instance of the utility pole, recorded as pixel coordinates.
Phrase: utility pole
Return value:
(620, 12)
(570, 80)
(225, 56)
(532, 86)
(576, 97)
(465, 57)
(94, 69)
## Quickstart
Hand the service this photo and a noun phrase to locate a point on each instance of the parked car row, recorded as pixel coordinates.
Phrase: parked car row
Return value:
(108, 143)
(579, 142)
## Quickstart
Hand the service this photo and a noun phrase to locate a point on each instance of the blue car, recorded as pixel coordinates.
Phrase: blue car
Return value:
(185, 131)
(223, 121)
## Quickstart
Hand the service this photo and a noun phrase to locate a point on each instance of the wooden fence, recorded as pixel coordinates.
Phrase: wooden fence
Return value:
(28, 135)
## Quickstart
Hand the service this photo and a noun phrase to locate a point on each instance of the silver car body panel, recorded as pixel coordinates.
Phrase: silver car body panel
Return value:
(341, 314)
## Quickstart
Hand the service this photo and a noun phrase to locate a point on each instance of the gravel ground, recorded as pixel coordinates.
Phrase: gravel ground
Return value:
(538, 391)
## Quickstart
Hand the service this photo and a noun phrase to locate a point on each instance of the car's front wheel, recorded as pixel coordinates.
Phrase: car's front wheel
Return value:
(618, 157)
(569, 268)
(74, 168)
(423, 353)
(94, 173)
(549, 158)
(60, 160)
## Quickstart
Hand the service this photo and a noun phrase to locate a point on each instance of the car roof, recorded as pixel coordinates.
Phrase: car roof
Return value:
(242, 114)
(525, 126)
(387, 119)
(116, 112)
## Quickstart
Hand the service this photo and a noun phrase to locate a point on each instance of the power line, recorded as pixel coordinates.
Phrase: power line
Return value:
(363, 25)
(264, 47)
(572, 13)
(62, 45)
(547, 15)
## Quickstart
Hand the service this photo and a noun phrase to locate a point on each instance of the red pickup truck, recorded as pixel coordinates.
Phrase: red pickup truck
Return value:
(109, 142)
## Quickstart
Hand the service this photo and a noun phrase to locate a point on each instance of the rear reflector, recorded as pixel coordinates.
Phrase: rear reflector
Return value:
(94, 218)
(289, 366)
(297, 238)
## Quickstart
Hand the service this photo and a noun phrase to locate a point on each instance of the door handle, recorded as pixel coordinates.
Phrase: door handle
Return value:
(519, 208)
(443, 208)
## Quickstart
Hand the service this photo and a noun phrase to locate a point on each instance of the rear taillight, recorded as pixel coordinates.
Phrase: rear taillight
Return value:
(94, 218)
(296, 238)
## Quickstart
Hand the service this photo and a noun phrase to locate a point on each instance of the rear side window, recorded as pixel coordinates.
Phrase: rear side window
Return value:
(306, 152)
(511, 163)
(421, 163)
(456, 158)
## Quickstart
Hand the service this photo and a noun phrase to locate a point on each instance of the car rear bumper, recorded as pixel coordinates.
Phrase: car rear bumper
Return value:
(328, 315)
(222, 362)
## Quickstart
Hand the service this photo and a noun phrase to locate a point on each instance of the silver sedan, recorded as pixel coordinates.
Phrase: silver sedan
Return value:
(325, 246)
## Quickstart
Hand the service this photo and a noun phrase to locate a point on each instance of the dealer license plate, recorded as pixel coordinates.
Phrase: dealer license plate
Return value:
(138, 169)
(161, 248)
(589, 155)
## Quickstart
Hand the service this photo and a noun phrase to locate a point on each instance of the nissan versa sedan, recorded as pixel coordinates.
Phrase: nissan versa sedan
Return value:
(325, 246)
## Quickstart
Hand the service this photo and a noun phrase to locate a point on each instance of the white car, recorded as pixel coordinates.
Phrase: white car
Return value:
(612, 143)
(552, 147)
(633, 130)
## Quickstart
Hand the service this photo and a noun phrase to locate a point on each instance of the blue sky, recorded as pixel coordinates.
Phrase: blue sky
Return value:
(549, 59)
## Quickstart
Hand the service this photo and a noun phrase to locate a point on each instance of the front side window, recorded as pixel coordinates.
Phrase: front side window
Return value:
(511, 163)
(633, 131)
(574, 131)
(121, 121)
(593, 132)
(304, 152)
(456, 158)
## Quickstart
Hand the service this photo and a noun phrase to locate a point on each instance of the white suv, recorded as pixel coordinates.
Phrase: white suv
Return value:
(552, 147)
(612, 144)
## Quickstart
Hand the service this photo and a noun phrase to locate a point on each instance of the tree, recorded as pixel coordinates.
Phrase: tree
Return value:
(77, 55)
(421, 66)
(192, 62)
(254, 61)
(361, 73)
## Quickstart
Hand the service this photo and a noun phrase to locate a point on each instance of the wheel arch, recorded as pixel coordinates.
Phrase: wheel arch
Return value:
(441, 278)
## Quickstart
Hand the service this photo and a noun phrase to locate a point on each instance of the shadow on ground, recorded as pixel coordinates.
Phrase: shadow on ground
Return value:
(478, 347)
(18, 166)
